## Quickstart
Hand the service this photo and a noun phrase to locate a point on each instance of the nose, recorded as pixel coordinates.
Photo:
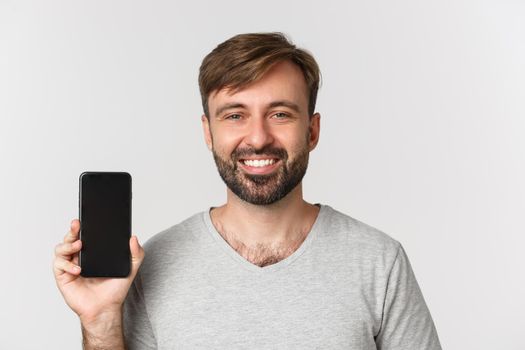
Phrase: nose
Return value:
(258, 133)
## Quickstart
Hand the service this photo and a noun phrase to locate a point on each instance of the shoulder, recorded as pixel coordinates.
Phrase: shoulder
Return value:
(175, 240)
(361, 238)
(181, 230)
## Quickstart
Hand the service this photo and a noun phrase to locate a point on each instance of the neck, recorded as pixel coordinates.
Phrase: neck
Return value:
(281, 223)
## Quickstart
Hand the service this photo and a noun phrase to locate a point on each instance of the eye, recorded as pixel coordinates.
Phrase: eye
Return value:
(280, 115)
(233, 117)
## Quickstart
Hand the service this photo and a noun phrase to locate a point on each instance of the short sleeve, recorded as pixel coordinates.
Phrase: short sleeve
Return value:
(406, 322)
(138, 333)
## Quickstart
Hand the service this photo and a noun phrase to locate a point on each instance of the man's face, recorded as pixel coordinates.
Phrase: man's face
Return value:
(261, 136)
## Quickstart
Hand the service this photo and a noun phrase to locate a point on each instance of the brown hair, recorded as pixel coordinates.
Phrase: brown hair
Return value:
(245, 58)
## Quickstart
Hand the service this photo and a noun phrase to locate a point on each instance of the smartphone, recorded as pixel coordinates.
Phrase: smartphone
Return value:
(105, 224)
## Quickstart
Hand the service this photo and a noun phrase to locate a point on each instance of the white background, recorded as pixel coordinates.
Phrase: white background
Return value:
(422, 123)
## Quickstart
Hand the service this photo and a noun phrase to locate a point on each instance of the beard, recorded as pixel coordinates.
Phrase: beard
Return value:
(262, 189)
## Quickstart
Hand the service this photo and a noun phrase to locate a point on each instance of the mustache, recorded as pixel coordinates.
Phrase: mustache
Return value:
(268, 151)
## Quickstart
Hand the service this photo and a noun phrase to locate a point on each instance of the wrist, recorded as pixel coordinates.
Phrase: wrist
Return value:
(103, 331)
(110, 316)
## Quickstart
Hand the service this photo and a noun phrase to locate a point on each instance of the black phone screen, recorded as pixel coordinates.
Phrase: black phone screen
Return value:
(105, 224)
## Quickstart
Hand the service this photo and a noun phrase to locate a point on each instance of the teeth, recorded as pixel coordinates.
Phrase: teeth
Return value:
(259, 162)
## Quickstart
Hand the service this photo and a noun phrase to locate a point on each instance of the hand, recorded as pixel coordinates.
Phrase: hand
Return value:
(91, 298)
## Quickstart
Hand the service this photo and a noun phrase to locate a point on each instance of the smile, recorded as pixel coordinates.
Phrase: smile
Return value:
(259, 166)
(258, 162)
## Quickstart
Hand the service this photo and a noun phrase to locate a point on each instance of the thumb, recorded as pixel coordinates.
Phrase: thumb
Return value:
(137, 255)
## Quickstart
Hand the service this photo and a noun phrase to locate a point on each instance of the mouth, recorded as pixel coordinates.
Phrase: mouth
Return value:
(259, 165)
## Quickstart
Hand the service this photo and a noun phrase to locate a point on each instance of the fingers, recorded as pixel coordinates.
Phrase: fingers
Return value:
(137, 254)
(62, 265)
(66, 257)
(65, 250)
(74, 229)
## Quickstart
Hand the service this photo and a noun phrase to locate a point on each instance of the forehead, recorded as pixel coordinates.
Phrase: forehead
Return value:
(283, 81)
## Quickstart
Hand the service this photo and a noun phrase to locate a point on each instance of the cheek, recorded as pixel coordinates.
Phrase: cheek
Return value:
(294, 141)
(225, 142)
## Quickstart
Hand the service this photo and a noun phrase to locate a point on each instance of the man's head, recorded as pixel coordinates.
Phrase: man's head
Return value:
(258, 94)
(245, 58)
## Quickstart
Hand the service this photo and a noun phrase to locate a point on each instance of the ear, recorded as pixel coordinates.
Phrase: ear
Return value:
(206, 130)
(314, 129)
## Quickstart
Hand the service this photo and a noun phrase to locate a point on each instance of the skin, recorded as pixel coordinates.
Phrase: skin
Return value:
(97, 301)
(269, 232)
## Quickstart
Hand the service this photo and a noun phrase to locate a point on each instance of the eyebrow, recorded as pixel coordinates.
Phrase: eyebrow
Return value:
(285, 103)
(228, 106)
(279, 103)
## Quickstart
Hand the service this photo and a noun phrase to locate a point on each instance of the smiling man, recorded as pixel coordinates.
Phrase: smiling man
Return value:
(265, 270)
(261, 133)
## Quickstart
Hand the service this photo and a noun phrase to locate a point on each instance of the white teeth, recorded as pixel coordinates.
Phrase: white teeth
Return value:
(259, 162)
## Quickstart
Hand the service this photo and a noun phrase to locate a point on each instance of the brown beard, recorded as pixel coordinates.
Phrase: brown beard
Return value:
(262, 189)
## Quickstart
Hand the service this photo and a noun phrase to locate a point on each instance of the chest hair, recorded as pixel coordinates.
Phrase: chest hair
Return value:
(264, 254)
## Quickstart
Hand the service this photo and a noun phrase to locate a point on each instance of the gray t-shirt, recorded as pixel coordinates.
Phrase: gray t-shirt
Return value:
(348, 286)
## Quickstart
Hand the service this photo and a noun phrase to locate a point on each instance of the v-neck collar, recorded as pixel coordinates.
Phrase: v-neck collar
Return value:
(314, 231)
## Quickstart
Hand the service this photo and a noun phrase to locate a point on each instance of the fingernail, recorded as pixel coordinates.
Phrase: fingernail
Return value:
(76, 268)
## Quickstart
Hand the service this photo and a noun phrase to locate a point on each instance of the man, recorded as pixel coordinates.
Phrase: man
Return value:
(266, 270)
